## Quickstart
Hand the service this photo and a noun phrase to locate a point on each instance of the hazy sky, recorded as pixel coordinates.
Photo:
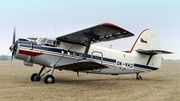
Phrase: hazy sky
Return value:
(42, 17)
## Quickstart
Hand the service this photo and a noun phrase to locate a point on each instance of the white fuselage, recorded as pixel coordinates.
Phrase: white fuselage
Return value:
(117, 61)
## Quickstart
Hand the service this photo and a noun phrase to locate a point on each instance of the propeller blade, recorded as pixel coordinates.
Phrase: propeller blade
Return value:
(14, 36)
(12, 56)
(13, 42)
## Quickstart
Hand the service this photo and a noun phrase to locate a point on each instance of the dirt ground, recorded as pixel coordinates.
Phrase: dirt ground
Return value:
(160, 85)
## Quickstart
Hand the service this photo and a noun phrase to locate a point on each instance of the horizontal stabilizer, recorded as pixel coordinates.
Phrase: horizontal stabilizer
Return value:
(152, 52)
(82, 65)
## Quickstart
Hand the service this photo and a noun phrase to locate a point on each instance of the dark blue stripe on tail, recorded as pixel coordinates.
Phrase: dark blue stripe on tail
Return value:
(145, 67)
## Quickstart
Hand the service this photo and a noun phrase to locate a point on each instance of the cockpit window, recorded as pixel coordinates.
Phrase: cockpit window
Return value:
(48, 42)
(43, 40)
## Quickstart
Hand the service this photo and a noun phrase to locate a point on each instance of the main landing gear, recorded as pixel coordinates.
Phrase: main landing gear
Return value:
(48, 79)
(138, 77)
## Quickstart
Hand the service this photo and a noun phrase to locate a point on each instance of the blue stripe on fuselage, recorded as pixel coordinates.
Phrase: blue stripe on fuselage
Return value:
(65, 51)
(79, 54)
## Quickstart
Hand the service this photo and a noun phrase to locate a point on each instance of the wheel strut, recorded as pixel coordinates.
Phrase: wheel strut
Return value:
(49, 79)
(38, 75)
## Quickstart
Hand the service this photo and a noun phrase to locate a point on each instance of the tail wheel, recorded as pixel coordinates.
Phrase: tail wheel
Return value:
(34, 77)
(138, 77)
(49, 79)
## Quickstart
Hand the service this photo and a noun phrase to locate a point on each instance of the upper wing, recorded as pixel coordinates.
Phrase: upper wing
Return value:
(101, 32)
(82, 65)
(33, 38)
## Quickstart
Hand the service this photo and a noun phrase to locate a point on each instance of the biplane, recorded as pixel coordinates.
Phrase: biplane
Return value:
(77, 52)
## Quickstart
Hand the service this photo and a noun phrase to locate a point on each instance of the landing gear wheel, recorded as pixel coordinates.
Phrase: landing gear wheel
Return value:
(49, 79)
(138, 77)
(34, 77)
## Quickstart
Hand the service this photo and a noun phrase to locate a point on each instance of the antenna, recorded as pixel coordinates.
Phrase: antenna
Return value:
(110, 46)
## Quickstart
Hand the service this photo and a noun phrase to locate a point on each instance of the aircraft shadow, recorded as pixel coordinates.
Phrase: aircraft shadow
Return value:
(104, 81)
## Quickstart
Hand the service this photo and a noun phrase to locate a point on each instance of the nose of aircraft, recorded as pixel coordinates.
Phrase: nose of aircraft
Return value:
(11, 48)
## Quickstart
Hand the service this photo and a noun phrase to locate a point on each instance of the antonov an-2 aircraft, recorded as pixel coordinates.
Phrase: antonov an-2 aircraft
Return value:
(77, 52)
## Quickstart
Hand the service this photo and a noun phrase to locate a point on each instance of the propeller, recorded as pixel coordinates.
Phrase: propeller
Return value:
(13, 46)
(14, 36)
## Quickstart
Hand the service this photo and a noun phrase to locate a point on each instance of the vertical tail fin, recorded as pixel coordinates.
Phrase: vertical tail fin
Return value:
(144, 47)
(148, 51)
(147, 40)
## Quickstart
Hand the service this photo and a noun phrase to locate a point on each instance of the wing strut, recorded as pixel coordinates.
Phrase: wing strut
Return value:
(87, 48)
(149, 59)
(90, 37)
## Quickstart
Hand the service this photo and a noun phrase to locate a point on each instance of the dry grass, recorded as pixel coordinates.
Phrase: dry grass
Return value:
(160, 85)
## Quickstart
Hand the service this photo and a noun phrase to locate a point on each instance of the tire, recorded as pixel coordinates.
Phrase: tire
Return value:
(33, 77)
(140, 77)
(49, 79)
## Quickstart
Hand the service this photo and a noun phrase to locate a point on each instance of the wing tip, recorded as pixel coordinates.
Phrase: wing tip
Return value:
(112, 26)
(167, 52)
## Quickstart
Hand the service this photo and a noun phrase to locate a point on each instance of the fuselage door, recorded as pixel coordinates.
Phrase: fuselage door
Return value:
(97, 56)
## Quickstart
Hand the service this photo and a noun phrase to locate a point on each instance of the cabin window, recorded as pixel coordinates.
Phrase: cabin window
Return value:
(65, 51)
(68, 53)
(71, 53)
(43, 40)
(78, 54)
(49, 41)
(56, 43)
(62, 52)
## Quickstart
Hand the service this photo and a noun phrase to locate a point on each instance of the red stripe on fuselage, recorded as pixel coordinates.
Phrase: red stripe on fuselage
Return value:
(30, 53)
